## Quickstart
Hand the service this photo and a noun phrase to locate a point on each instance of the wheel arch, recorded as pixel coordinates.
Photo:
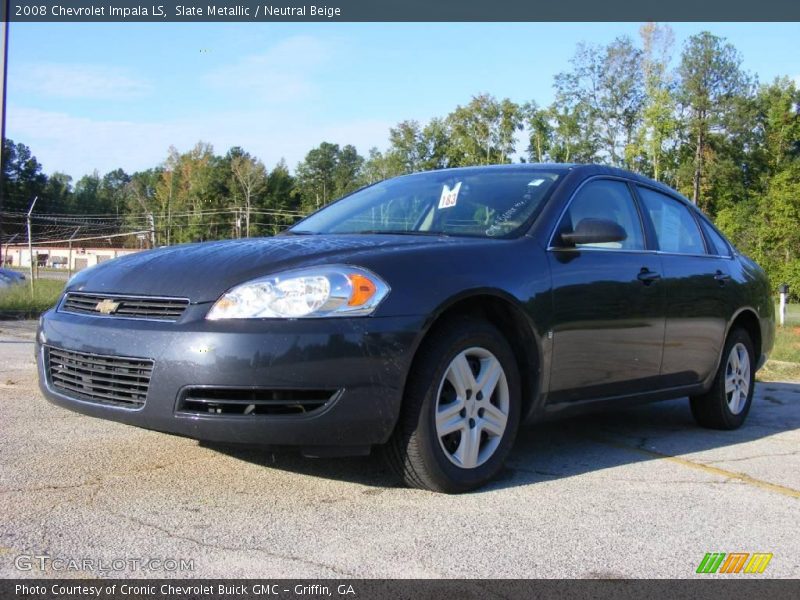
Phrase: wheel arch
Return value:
(746, 318)
(505, 313)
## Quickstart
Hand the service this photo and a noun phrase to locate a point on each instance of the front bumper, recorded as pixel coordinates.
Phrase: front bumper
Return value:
(365, 359)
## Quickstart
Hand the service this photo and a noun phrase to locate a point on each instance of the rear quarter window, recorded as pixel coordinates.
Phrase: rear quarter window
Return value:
(676, 229)
(719, 245)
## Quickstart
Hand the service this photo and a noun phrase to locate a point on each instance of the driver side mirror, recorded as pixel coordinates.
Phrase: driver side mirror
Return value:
(594, 231)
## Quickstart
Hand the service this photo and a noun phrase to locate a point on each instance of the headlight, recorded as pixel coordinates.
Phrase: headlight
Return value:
(325, 291)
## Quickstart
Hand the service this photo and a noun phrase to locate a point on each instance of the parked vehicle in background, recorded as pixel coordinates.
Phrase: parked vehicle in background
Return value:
(9, 278)
(429, 314)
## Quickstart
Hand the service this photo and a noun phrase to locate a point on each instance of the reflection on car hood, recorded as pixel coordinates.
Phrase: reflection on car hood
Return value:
(202, 272)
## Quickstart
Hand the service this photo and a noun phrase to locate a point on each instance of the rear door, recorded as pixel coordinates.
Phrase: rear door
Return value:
(695, 276)
(608, 302)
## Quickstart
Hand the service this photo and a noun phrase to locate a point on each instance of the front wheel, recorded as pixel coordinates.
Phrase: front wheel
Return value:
(726, 404)
(461, 409)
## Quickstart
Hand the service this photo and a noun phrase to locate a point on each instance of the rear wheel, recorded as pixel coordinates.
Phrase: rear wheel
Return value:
(726, 404)
(461, 409)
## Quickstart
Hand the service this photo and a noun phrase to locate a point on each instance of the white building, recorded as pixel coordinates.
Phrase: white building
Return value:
(58, 257)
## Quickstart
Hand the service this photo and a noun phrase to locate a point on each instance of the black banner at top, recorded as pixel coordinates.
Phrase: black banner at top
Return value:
(398, 10)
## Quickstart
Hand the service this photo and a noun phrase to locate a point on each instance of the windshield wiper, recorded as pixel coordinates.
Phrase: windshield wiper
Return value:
(298, 232)
(398, 232)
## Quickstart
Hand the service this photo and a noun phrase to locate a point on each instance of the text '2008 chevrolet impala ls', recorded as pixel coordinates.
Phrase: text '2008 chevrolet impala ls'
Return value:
(429, 314)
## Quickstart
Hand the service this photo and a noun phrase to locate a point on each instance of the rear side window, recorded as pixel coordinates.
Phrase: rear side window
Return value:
(606, 199)
(719, 247)
(676, 228)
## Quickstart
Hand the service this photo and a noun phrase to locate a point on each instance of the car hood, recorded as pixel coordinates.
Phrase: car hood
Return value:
(203, 272)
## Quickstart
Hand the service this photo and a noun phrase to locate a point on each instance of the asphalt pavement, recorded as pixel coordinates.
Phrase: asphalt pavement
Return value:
(636, 493)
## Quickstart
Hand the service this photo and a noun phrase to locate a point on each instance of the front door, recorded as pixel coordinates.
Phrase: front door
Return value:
(608, 302)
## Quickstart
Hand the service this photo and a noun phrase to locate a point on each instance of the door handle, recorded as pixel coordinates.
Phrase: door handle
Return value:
(646, 276)
(723, 278)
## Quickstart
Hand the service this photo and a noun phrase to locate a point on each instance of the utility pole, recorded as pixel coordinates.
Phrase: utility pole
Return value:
(152, 222)
(5, 13)
(30, 241)
(4, 9)
(69, 260)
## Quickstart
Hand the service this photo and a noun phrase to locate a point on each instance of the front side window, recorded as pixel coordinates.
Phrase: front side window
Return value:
(676, 228)
(468, 202)
(606, 199)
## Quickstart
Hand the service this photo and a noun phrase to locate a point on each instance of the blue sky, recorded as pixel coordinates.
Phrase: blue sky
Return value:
(101, 96)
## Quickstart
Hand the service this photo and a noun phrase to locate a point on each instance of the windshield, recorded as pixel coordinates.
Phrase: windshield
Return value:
(470, 202)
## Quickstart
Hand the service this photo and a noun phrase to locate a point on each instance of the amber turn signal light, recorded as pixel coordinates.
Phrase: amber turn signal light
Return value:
(363, 289)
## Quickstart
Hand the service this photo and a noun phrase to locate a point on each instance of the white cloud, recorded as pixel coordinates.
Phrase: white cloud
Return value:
(78, 145)
(282, 73)
(94, 82)
(287, 122)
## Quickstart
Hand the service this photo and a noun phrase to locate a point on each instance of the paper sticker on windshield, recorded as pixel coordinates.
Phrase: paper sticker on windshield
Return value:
(536, 182)
(449, 197)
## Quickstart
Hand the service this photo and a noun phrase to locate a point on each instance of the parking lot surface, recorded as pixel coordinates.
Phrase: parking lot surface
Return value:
(636, 493)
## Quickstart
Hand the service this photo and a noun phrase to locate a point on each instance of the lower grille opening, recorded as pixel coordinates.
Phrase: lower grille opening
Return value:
(253, 401)
(113, 380)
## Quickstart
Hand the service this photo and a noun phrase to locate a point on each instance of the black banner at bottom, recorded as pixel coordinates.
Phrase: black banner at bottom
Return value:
(734, 588)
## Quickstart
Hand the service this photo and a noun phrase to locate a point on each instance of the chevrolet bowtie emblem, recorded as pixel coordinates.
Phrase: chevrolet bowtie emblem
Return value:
(107, 306)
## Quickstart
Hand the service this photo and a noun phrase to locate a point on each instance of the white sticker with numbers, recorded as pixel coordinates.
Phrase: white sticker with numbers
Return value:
(449, 197)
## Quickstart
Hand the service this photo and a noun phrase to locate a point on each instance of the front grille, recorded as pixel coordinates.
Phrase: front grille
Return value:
(112, 380)
(129, 307)
(252, 401)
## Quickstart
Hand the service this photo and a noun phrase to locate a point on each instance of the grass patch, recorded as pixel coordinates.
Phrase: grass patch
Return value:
(787, 344)
(784, 360)
(18, 302)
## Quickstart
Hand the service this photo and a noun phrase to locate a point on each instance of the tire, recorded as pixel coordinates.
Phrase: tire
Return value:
(726, 404)
(421, 451)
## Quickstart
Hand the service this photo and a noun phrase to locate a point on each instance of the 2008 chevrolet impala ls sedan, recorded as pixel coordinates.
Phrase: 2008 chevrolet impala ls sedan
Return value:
(428, 314)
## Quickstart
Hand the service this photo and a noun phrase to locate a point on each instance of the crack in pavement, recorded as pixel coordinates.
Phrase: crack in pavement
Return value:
(712, 462)
(53, 488)
(744, 478)
(228, 548)
(671, 481)
(98, 481)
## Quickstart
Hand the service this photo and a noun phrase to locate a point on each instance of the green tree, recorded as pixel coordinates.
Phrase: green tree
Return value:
(406, 149)
(378, 166)
(347, 171)
(279, 198)
(659, 122)
(540, 131)
(315, 176)
(779, 122)
(711, 79)
(250, 179)
(604, 89)
(114, 191)
(87, 199)
(573, 138)
(144, 204)
(22, 177)
(194, 185)
(483, 131)
(326, 173)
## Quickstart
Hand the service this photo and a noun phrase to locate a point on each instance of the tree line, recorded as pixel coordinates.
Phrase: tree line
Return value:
(692, 118)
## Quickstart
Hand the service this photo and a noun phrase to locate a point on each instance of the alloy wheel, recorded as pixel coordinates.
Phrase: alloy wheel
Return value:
(472, 408)
(737, 378)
